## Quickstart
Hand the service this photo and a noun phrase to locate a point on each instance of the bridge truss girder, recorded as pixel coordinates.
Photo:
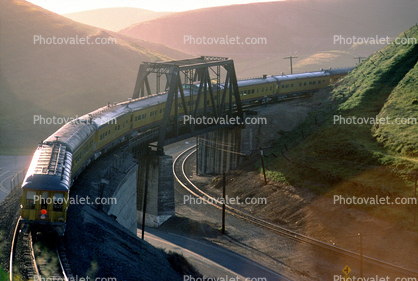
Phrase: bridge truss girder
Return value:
(182, 74)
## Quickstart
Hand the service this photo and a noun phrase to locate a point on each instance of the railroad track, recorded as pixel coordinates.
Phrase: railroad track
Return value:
(181, 177)
(33, 268)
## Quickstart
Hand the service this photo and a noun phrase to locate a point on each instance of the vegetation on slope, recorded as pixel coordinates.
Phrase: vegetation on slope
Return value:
(402, 103)
(331, 157)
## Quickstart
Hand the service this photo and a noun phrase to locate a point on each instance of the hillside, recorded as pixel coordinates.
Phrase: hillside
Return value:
(297, 27)
(61, 80)
(402, 103)
(114, 19)
(313, 160)
(330, 155)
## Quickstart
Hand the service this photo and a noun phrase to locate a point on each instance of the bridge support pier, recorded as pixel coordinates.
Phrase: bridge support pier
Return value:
(222, 150)
(156, 171)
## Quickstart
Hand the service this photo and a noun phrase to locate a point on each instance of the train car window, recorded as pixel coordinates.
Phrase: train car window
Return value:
(319, 81)
(136, 118)
(262, 89)
(126, 121)
(30, 199)
(118, 127)
(323, 81)
(139, 117)
(245, 92)
(300, 84)
(304, 83)
(282, 86)
(101, 137)
(257, 90)
(144, 116)
(310, 82)
(287, 85)
(109, 131)
(314, 82)
(105, 133)
(58, 201)
(152, 113)
(155, 112)
(252, 92)
(267, 88)
(44, 200)
(291, 85)
(271, 88)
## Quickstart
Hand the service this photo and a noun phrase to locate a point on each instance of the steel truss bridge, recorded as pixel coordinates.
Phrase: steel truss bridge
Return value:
(208, 79)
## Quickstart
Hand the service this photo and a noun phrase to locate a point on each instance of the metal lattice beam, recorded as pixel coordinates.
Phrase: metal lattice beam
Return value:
(195, 71)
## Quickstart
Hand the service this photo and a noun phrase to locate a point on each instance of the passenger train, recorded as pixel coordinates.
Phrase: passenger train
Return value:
(60, 158)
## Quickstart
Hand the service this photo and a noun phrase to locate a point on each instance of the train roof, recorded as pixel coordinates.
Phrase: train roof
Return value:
(256, 81)
(50, 169)
(74, 133)
(339, 71)
(305, 75)
(107, 115)
(296, 76)
(152, 100)
(148, 101)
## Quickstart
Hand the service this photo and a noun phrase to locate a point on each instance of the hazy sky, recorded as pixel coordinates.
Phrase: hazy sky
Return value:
(70, 6)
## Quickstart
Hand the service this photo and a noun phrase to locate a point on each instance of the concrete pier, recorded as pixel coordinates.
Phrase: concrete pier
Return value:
(222, 150)
(157, 171)
(125, 194)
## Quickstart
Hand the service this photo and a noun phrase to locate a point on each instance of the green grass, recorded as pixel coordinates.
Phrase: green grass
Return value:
(3, 275)
(401, 139)
(359, 160)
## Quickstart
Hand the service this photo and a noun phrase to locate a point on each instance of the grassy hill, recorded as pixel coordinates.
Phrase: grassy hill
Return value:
(114, 19)
(402, 103)
(61, 80)
(331, 155)
(297, 27)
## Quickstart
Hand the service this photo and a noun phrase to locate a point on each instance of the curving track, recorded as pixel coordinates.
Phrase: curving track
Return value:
(35, 270)
(180, 176)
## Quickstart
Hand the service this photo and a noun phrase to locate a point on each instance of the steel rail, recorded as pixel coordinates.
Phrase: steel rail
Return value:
(12, 249)
(279, 229)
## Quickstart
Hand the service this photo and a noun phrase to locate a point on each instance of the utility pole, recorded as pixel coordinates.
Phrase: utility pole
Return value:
(361, 255)
(262, 163)
(144, 206)
(223, 205)
(415, 196)
(359, 59)
(290, 58)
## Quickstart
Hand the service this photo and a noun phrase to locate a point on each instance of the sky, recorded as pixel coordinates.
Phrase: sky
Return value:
(71, 6)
